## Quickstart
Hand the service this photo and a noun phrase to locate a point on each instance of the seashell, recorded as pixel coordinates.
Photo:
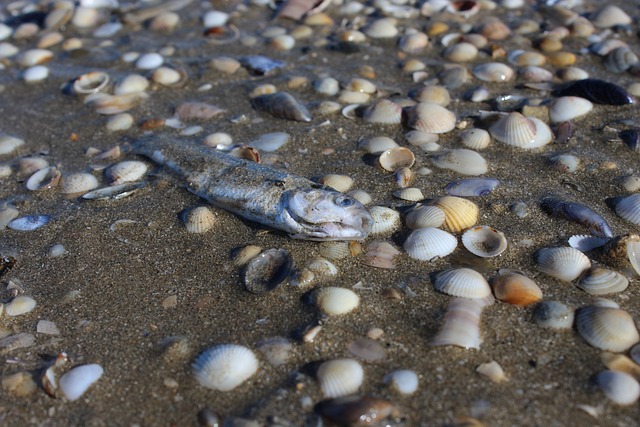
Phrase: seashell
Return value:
(78, 183)
(341, 183)
(413, 42)
(29, 223)
(381, 255)
(282, 105)
(461, 324)
(427, 243)
(622, 363)
(7, 214)
(484, 241)
(631, 137)
(516, 289)
(383, 111)
(462, 282)
(433, 94)
(493, 371)
(567, 108)
(120, 122)
(471, 187)
(351, 410)
(564, 163)
(520, 131)
(382, 28)
(35, 74)
(133, 83)
(198, 111)
(377, 145)
(609, 16)
(322, 268)
(77, 381)
(114, 104)
(165, 22)
(242, 256)
(620, 60)
(199, 220)
(8, 144)
(260, 65)
(30, 165)
(366, 349)
(410, 194)
(554, 315)
(44, 179)
(91, 82)
(327, 86)
(431, 118)
(619, 387)
(607, 328)
(215, 18)
(224, 367)
(534, 73)
(604, 47)
(334, 250)
(461, 160)
(563, 263)
(115, 192)
(577, 213)
(627, 207)
(404, 177)
(340, 377)
(493, 72)
(149, 61)
(362, 196)
(419, 138)
(277, 350)
(361, 85)
(524, 58)
(19, 305)
(596, 91)
(385, 220)
(461, 52)
(267, 270)
(31, 57)
(633, 255)
(167, 76)
(586, 243)
(218, 140)
(335, 301)
(460, 213)
(352, 97)
(602, 281)
(282, 42)
(494, 29)
(424, 216)
(125, 171)
(475, 139)
(404, 381)
(270, 142)
(395, 158)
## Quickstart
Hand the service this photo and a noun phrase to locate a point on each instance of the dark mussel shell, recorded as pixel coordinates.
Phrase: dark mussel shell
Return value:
(631, 137)
(578, 213)
(596, 91)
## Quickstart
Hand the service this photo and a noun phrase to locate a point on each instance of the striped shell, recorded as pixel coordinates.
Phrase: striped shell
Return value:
(199, 220)
(224, 367)
(432, 118)
(385, 220)
(628, 208)
(125, 171)
(340, 183)
(427, 243)
(484, 241)
(519, 131)
(462, 282)
(78, 183)
(602, 281)
(516, 289)
(475, 139)
(425, 216)
(381, 255)
(460, 213)
(19, 305)
(336, 301)
(377, 144)
(607, 328)
(410, 194)
(340, 377)
(383, 111)
(461, 324)
(563, 263)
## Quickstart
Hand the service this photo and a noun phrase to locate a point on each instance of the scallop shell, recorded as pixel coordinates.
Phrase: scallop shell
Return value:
(493, 72)
(461, 324)
(602, 281)
(396, 158)
(340, 377)
(267, 270)
(126, 171)
(433, 94)
(628, 207)
(516, 289)
(607, 328)
(427, 243)
(199, 220)
(322, 268)
(224, 367)
(461, 160)
(409, 194)
(432, 118)
(381, 255)
(19, 305)
(554, 315)
(241, 256)
(563, 263)
(567, 108)
(425, 216)
(385, 220)
(463, 283)
(334, 250)
(484, 241)
(383, 111)
(78, 183)
(619, 387)
(336, 301)
(475, 139)
(514, 129)
(460, 213)
(341, 183)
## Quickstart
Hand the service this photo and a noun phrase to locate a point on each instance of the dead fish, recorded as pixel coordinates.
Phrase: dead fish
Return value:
(286, 202)
(282, 105)
(578, 213)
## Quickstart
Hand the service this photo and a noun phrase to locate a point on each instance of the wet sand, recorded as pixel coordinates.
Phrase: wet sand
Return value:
(106, 293)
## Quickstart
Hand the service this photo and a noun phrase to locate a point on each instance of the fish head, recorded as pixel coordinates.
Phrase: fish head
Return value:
(323, 214)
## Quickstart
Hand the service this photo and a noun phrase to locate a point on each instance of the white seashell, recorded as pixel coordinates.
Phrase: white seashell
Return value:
(554, 315)
(610, 16)
(572, 73)
(475, 139)
(340, 377)
(375, 145)
(107, 30)
(433, 94)
(567, 108)
(8, 50)
(270, 142)
(419, 138)
(167, 76)
(322, 268)
(484, 241)
(9, 143)
(619, 387)
(362, 196)
(425, 216)
(396, 158)
(383, 111)
(381, 255)
(218, 140)
(493, 72)
(29, 223)
(493, 371)
(7, 214)
(43, 179)
(57, 250)
(114, 104)
(77, 381)
(119, 122)
(607, 328)
(514, 129)
(353, 97)
(633, 254)
(35, 74)
(629, 208)
(461, 324)
(224, 367)
(336, 301)
(327, 86)
(78, 183)
(215, 18)
(19, 305)
(126, 171)
(385, 220)
(409, 194)
(165, 22)
(427, 243)
(461, 52)
(413, 42)
(536, 74)
(382, 28)
(462, 282)
(601, 281)
(585, 243)
(149, 61)
(431, 118)
(133, 83)
(86, 17)
(404, 381)
(341, 183)
(32, 57)
(563, 263)
(199, 220)
(461, 160)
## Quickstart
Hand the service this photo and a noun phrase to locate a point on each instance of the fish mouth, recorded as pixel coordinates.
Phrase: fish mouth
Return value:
(326, 231)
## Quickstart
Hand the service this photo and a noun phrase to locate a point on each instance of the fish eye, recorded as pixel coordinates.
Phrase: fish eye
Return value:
(343, 201)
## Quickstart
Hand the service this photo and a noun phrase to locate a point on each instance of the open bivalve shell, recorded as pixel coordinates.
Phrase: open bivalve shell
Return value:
(607, 328)
(461, 324)
(224, 367)
(460, 213)
(519, 131)
(563, 263)
(431, 118)
(340, 377)
(602, 281)
(396, 158)
(336, 301)
(462, 282)
(619, 387)
(427, 243)
(516, 289)
(484, 241)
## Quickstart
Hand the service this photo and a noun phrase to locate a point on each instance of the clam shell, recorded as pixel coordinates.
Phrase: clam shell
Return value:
(9, 143)
(224, 367)
(395, 158)
(282, 105)
(383, 111)
(125, 171)
(44, 179)
(563, 263)
(619, 387)
(133, 83)
(78, 183)
(19, 305)
(342, 183)
(610, 16)
(336, 301)
(514, 129)
(484, 241)
(29, 222)
(334, 250)
(241, 256)
(461, 52)
(461, 324)
(267, 270)
(381, 255)
(475, 139)
(554, 315)
(628, 208)
(91, 82)
(404, 381)
(413, 43)
(463, 283)
(427, 243)
(322, 268)
(409, 194)
(461, 160)
(567, 108)
(385, 220)
(199, 220)
(433, 94)
(377, 144)
(340, 377)
(516, 289)
(425, 216)
(432, 118)
(602, 281)
(460, 213)
(493, 72)
(471, 187)
(77, 381)
(404, 177)
(607, 328)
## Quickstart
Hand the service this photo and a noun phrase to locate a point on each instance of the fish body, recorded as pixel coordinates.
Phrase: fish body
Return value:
(296, 205)
(578, 213)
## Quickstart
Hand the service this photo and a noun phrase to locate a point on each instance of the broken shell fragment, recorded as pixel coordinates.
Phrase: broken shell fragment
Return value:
(484, 241)
(19, 305)
(340, 377)
(461, 160)
(267, 270)
(224, 367)
(282, 105)
(516, 289)
(493, 371)
(461, 324)
(336, 301)
(607, 328)
(77, 381)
